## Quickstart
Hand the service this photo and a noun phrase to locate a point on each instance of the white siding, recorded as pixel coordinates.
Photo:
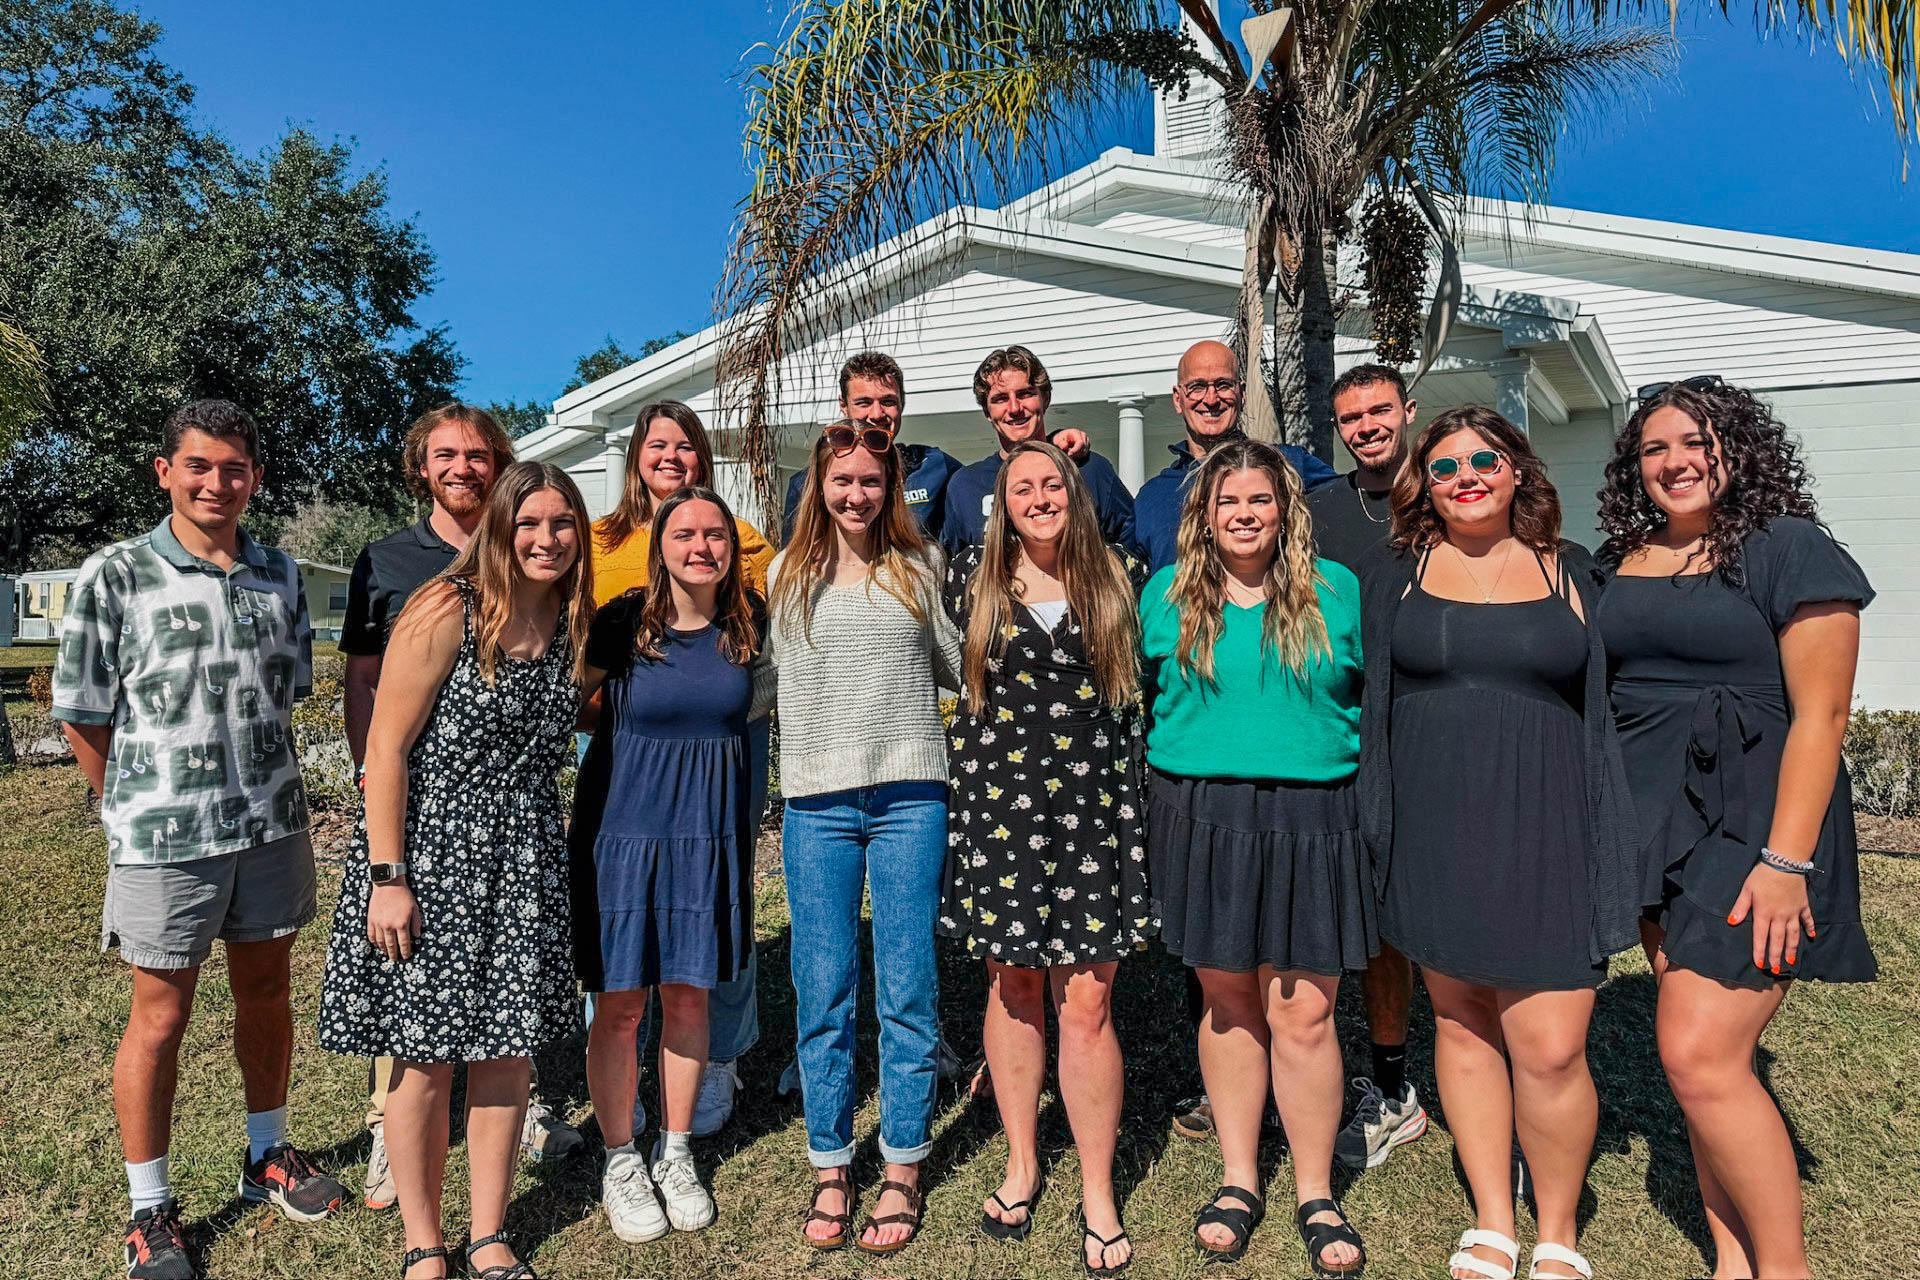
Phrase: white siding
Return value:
(1863, 448)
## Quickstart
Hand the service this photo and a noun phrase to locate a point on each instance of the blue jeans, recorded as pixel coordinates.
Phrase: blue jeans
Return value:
(733, 1008)
(892, 839)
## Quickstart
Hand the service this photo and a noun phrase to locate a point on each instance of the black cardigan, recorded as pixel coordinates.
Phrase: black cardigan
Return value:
(1613, 860)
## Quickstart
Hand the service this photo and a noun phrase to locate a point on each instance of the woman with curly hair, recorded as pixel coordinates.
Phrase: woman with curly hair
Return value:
(1255, 857)
(1732, 623)
(1493, 788)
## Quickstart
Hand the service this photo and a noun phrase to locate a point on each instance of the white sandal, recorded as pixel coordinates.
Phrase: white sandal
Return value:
(1546, 1252)
(1480, 1267)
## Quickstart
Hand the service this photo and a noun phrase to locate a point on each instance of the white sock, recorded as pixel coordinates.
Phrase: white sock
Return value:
(147, 1183)
(673, 1146)
(265, 1130)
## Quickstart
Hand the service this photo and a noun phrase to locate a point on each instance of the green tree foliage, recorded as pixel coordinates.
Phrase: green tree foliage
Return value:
(334, 532)
(611, 357)
(150, 263)
(519, 416)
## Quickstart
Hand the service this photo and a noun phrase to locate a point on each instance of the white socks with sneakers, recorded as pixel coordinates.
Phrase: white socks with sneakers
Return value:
(265, 1131)
(147, 1183)
(673, 1146)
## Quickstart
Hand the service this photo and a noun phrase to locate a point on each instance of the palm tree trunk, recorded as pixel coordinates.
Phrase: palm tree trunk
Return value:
(1303, 334)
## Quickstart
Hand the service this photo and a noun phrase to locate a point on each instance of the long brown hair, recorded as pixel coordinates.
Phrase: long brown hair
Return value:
(491, 570)
(1535, 513)
(733, 603)
(1098, 591)
(635, 511)
(900, 565)
(1291, 626)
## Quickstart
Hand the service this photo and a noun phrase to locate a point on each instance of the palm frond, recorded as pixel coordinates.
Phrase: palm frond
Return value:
(23, 383)
(1872, 35)
(874, 115)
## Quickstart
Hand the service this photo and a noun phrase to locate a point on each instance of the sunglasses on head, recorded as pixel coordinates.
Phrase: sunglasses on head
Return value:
(844, 439)
(1705, 382)
(1485, 462)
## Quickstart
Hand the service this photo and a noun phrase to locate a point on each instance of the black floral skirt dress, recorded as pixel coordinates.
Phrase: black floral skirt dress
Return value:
(491, 974)
(1046, 844)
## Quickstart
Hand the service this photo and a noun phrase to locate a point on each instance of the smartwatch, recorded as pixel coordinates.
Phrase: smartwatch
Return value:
(388, 872)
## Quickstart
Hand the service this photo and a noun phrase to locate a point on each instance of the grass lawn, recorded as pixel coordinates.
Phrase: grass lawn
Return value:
(1844, 1060)
(29, 653)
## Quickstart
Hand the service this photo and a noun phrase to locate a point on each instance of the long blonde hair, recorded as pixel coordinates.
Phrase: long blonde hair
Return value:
(1291, 626)
(900, 564)
(635, 511)
(1098, 591)
(491, 570)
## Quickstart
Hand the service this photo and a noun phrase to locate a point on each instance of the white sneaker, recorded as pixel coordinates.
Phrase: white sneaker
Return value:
(689, 1207)
(715, 1107)
(626, 1193)
(379, 1191)
(1379, 1125)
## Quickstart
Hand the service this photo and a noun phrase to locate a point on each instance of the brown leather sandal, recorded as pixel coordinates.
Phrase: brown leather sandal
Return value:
(843, 1219)
(911, 1219)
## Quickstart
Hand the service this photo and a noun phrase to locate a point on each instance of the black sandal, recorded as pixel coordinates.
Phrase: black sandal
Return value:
(1318, 1235)
(910, 1218)
(1102, 1272)
(1012, 1232)
(413, 1256)
(842, 1220)
(518, 1269)
(1241, 1222)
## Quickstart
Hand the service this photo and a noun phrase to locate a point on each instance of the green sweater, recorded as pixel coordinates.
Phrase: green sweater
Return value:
(1260, 721)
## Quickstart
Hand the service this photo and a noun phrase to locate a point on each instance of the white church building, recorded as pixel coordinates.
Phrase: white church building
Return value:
(1111, 272)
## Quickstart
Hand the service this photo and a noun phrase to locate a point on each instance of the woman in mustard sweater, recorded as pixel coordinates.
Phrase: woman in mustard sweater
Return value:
(1259, 874)
(668, 452)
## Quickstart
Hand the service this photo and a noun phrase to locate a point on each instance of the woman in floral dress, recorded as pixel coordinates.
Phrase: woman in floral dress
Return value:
(1046, 858)
(451, 942)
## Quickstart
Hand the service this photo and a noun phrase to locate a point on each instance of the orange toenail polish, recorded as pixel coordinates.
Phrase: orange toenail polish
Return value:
(1790, 957)
(1731, 920)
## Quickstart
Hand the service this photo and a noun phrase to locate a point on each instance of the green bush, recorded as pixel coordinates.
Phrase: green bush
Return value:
(1883, 759)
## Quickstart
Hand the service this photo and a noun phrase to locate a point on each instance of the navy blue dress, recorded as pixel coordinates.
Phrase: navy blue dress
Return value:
(661, 848)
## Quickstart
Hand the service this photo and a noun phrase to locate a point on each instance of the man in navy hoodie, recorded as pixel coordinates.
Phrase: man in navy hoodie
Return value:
(1207, 394)
(873, 393)
(1014, 391)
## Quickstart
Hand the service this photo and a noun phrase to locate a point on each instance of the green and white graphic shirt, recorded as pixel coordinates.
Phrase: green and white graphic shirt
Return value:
(196, 668)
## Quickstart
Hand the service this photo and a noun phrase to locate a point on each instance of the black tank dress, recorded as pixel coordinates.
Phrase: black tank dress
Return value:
(1701, 705)
(1488, 881)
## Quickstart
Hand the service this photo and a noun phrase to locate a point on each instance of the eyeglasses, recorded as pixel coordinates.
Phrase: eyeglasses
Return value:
(1705, 382)
(844, 439)
(1485, 462)
(1219, 386)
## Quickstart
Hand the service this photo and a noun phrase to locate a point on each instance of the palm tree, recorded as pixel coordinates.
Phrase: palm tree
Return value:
(23, 384)
(871, 116)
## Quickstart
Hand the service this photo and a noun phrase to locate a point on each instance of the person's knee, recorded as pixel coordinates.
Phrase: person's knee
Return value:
(1552, 1060)
(681, 1004)
(159, 1022)
(1086, 1016)
(1302, 1023)
(1697, 1064)
(261, 990)
(620, 1012)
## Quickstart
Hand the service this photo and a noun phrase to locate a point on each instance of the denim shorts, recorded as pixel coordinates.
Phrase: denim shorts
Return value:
(167, 915)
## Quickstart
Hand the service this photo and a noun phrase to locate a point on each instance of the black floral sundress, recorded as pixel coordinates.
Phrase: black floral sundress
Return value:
(1046, 846)
(492, 973)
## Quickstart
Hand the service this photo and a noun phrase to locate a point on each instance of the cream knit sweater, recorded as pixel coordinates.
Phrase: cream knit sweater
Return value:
(859, 689)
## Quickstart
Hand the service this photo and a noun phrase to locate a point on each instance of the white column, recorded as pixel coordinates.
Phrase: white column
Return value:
(1131, 459)
(1510, 389)
(616, 473)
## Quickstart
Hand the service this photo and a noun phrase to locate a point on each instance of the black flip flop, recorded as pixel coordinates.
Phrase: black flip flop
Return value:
(1011, 1232)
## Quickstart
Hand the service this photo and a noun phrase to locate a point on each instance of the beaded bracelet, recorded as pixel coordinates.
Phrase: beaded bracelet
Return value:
(1781, 862)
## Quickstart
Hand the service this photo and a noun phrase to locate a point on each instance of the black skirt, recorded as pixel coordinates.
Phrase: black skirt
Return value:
(1246, 874)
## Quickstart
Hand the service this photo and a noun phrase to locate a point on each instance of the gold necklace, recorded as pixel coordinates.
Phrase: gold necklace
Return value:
(1486, 593)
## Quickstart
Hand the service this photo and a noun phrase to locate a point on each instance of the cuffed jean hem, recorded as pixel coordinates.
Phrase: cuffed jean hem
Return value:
(906, 1155)
(832, 1159)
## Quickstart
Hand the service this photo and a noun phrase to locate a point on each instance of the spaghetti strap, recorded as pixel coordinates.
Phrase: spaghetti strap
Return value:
(1553, 588)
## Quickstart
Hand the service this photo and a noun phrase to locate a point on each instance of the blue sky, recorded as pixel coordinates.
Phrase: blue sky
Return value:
(574, 165)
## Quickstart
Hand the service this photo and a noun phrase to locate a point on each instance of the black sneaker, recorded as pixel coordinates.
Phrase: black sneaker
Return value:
(157, 1245)
(289, 1181)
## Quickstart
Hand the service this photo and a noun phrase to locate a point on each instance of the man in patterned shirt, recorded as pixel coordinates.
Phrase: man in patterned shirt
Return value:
(181, 657)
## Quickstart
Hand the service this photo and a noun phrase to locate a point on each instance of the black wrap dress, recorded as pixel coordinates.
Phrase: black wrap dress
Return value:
(1701, 704)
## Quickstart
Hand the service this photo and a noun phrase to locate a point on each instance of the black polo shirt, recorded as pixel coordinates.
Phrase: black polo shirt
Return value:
(387, 572)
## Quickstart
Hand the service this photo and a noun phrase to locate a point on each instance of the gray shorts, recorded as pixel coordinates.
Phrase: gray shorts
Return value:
(166, 915)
